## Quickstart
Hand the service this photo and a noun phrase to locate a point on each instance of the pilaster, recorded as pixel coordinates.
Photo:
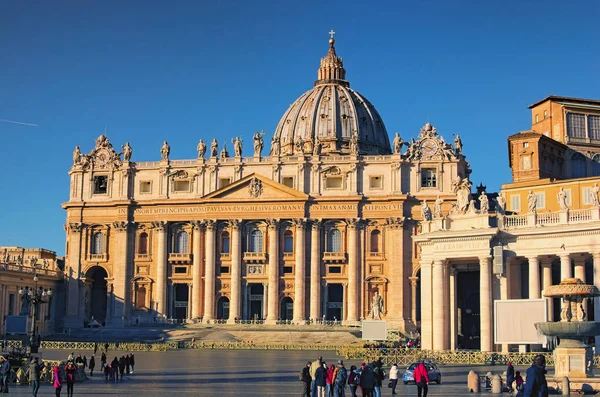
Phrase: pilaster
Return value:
(210, 250)
(273, 309)
(198, 240)
(352, 313)
(485, 307)
(74, 317)
(315, 270)
(236, 270)
(300, 274)
(160, 228)
(121, 274)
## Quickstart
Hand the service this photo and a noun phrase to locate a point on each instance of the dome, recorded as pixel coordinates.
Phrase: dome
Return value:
(331, 118)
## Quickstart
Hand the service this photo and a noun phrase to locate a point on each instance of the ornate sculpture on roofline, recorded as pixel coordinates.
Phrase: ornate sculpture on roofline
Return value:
(165, 151)
(484, 204)
(562, 199)
(275, 148)
(437, 208)
(258, 143)
(103, 155)
(425, 211)
(594, 195)
(224, 153)
(317, 147)
(501, 205)
(127, 151)
(458, 146)
(531, 202)
(398, 143)
(462, 188)
(214, 148)
(237, 146)
(354, 143)
(76, 156)
(201, 148)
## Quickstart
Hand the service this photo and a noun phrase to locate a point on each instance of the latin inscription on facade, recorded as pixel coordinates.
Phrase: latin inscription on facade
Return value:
(215, 209)
(462, 246)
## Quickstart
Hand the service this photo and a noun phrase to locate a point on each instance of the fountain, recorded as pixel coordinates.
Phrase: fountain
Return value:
(573, 356)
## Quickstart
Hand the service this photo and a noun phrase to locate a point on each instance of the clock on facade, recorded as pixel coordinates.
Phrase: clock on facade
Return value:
(102, 156)
(429, 147)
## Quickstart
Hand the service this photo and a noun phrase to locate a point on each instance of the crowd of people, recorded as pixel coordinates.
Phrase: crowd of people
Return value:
(536, 385)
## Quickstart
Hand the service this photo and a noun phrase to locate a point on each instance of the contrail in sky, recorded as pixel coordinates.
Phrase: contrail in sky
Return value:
(18, 122)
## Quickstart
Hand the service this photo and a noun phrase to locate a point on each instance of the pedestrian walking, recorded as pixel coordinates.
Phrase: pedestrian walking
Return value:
(340, 378)
(536, 385)
(421, 377)
(85, 362)
(107, 372)
(56, 380)
(519, 384)
(92, 365)
(132, 361)
(4, 373)
(306, 380)
(394, 377)
(367, 381)
(353, 380)
(127, 364)
(35, 369)
(95, 348)
(321, 381)
(122, 366)
(106, 347)
(379, 375)
(329, 380)
(313, 367)
(70, 371)
(510, 376)
(114, 366)
(102, 361)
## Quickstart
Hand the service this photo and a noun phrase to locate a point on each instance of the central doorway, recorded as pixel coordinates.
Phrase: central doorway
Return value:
(98, 293)
(223, 308)
(256, 298)
(180, 301)
(287, 308)
(468, 308)
(335, 301)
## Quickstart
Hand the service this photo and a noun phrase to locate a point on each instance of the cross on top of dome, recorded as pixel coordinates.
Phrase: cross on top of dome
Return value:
(332, 67)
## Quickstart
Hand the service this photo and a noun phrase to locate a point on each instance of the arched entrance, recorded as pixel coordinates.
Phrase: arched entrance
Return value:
(223, 308)
(287, 308)
(96, 306)
(180, 301)
(256, 301)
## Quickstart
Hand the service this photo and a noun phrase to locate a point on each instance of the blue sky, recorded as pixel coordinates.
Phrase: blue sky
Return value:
(181, 71)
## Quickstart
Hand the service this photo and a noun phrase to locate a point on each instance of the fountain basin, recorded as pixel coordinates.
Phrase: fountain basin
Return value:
(576, 329)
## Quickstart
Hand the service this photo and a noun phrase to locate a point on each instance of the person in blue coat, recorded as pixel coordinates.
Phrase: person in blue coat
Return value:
(535, 384)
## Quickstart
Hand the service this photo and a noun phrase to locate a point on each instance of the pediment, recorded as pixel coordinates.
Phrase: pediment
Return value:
(255, 187)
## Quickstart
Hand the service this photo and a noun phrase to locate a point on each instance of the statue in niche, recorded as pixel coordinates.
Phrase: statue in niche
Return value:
(562, 199)
(237, 146)
(275, 148)
(437, 208)
(165, 150)
(484, 204)
(594, 195)
(224, 153)
(317, 147)
(501, 205)
(258, 143)
(76, 156)
(425, 211)
(201, 148)
(376, 306)
(214, 148)
(127, 151)
(398, 143)
(531, 202)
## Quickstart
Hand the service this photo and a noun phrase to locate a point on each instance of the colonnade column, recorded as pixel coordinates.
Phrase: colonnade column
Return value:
(580, 267)
(198, 238)
(74, 318)
(438, 305)
(547, 282)
(565, 267)
(265, 299)
(413, 296)
(236, 270)
(160, 227)
(596, 272)
(300, 273)
(485, 302)
(426, 317)
(534, 277)
(352, 314)
(121, 273)
(209, 271)
(272, 309)
(315, 270)
(453, 309)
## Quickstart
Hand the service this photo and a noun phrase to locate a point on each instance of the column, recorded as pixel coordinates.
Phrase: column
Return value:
(190, 307)
(565, 267)
(352, 271)
(300, 273)
(534, 277)
(438, 305)
(236, 270)
(160, 227)
(74, 318)
(245, 300)
(272, 310)
(315, 270)
(596, 272)
(413, 300)
(547, 282)
(121, 273)
(453, 310)
(196, 293)
(579, 267)
(485, 291)
(426, 306)
(265, 299)
(325, 298)
(209, 271)
(344, 302)
(109, 302)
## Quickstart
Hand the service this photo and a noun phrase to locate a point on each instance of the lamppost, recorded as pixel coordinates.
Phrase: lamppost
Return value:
(34, 296)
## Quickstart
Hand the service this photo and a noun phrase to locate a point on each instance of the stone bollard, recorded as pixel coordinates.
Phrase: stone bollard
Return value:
(496, 384)
(473, 382)
(565, 387)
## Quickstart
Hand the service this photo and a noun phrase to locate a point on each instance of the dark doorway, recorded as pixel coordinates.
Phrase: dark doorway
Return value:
(468, 305)
(223, 308)
(287, 308)
(256, 301)
(335, 301)
(180, 301)
(97, 306)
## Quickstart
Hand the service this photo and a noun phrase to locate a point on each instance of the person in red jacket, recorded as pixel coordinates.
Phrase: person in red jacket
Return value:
(421, 379)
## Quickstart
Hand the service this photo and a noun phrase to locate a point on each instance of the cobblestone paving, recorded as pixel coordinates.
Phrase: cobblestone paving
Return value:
(228, 373)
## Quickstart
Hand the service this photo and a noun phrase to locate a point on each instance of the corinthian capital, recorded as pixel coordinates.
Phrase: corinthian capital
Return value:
(316, 224)
(299, 222)
(198, 225)
(353, 223)
(159, 226)
(120, 226)
(394, 223)
(76, 227)
(235, 223)
(272, 223)
(211, 224)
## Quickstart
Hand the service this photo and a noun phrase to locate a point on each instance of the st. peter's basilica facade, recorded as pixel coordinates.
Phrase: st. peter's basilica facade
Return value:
(310, 231)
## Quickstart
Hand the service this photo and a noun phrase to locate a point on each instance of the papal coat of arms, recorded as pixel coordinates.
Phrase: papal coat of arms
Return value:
(255, 188)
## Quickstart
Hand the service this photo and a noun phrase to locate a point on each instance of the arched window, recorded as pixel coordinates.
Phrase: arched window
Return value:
(143, 244)
(288, 241)
(334, 241)
(375, 234)
(225, 242)
(256, 241)
(596, 165)
(181, 242)
(98, 243)
(578, 166)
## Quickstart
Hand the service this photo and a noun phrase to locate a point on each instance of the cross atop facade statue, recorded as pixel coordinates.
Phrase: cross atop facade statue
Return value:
(331, 33)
